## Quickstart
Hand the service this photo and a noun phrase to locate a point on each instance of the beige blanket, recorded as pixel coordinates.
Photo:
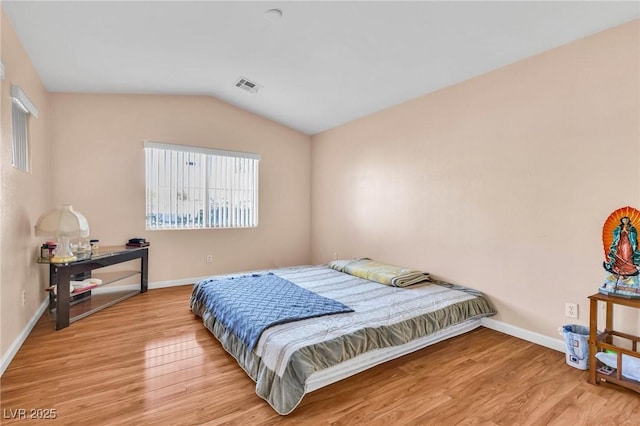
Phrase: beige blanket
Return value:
(382, 273)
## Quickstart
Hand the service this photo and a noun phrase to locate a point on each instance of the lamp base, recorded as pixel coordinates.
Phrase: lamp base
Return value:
(63, 253)
(64, 259)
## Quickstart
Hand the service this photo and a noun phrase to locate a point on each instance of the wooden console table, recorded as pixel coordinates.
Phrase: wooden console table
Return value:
(60, 276)
(604, 341)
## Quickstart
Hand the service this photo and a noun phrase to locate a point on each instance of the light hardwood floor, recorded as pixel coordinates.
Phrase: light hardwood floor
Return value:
(149, 360)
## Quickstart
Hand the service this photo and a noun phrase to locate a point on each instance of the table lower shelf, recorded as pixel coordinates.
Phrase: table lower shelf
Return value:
(612, 378)
(94, 302)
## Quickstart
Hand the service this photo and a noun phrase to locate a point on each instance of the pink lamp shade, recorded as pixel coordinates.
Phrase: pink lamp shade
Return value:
(63, 223)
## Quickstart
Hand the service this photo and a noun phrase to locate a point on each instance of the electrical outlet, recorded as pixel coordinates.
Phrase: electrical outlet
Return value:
(335, 255)
(571, 310)
(209, 258)
(24, 297)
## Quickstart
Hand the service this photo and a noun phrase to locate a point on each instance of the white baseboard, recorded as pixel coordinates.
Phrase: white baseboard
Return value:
(8, 356)
(174, 283)
(521, 333)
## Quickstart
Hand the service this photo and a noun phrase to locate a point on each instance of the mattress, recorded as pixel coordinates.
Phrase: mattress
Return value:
(295, 358)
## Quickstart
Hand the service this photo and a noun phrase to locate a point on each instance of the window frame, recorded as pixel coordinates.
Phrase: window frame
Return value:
(173, 194)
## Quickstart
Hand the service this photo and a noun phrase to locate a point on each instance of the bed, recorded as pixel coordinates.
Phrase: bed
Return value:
(377, 316)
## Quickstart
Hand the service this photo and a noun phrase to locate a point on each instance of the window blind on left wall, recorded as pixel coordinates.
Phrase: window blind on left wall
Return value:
(21, 108)
(19, 158)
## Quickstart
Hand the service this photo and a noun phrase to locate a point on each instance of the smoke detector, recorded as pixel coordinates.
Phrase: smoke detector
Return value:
(273, 14)
(248, 85)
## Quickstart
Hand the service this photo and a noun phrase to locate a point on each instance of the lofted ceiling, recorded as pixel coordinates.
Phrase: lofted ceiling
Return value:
(320, 65)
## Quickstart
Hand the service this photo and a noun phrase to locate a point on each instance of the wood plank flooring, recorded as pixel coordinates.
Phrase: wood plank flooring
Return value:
(149, 360)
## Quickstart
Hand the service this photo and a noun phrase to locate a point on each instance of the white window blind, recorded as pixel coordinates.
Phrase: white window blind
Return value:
(195, 188)
(21, 107)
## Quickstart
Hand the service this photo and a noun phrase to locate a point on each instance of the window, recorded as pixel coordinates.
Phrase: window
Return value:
(195, 188)
(22, 107)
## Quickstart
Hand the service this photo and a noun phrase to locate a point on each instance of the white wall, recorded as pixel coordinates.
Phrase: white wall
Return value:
(501, 183)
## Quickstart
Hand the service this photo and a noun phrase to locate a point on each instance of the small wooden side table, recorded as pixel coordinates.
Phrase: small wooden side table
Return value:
(603, 341)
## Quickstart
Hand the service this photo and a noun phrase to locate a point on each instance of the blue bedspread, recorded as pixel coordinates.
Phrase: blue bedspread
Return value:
(250, 304)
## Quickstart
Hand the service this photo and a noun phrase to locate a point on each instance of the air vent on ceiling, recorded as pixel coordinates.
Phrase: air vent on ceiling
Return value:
(248, 85)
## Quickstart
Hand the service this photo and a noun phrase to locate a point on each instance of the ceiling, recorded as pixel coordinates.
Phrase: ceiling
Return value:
(321, 64)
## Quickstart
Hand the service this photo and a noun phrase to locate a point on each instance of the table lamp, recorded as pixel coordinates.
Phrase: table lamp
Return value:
(63, 223)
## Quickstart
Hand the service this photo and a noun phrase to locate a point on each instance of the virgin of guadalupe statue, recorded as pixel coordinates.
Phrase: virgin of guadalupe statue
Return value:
(622, 255)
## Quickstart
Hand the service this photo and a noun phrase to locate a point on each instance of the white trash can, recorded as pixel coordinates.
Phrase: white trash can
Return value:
(576, 338)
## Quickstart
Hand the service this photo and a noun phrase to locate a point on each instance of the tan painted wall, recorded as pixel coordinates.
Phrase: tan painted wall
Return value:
(501, 183)
(23, 197)
(99, 160)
